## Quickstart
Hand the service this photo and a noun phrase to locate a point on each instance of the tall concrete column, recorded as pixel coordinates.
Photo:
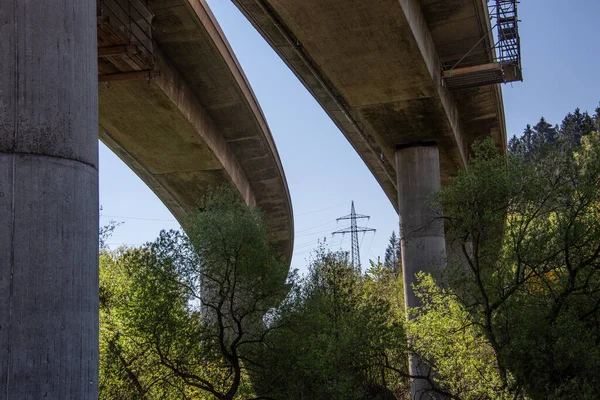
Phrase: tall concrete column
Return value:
(48, 200)
(421, 230)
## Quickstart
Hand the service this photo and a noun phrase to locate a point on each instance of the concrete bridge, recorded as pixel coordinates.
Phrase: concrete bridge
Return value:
(411, 84)
(172, 102)
(195, 120)
(376, 69)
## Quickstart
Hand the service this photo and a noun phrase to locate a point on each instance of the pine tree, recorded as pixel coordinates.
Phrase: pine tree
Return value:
(545, 133)
(392, 254)
(574, 126)
(515, 146)
(535, 140)
(525, 145)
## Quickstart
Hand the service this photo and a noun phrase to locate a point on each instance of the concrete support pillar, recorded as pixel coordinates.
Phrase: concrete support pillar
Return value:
(48, 200)
(421, 230)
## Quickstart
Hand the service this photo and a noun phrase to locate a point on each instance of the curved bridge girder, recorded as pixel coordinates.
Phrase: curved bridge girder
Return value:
(197, 122)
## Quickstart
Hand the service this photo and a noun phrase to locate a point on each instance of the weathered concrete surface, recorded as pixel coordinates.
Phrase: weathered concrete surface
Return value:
(198, 123)
(48, 200)
(422, 236)
(422, 227)
(375, 67)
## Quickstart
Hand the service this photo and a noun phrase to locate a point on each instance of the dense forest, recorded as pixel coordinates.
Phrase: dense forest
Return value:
(214, 313)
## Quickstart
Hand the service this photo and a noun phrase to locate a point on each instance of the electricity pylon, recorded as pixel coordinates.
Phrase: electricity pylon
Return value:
(353, 230)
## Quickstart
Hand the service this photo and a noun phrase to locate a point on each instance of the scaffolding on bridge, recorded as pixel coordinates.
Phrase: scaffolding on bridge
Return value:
(506, 50)
(125, 45)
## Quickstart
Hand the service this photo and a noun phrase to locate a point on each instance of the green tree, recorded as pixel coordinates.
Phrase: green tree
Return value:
(575, 126)
(339, 335)
(182, 316)
(129, 369)
(393, 258)
(521, 315)
(534, 140)
(537, 140)
(546, 132)
(442, 332)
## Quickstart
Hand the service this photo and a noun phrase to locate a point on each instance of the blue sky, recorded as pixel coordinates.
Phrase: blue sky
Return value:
(561, 58)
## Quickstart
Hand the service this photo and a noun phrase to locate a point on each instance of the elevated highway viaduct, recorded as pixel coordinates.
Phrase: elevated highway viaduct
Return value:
(410, 83)
(157, 81)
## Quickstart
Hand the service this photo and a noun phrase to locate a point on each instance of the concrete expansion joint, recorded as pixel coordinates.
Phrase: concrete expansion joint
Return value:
(53, 157)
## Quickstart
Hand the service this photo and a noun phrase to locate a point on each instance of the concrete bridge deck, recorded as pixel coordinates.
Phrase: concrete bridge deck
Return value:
(197, 123)
(375, 67)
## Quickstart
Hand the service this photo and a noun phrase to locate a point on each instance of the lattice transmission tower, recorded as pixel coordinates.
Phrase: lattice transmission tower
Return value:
(354, 229)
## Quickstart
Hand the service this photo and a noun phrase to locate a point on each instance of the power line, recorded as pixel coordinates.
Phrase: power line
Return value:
(313, 233)
(316, 226)
(138, 218)
(174, 220)
(306, 248)
(309, 244)
(371, 244)
(353, 229)
(322, 209)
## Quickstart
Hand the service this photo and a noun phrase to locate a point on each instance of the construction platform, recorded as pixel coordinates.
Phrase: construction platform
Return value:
(125, 45)
(472, 69)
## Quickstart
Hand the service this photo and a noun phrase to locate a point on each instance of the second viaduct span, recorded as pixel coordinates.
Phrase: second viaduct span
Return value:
(411, 84)
(376, 67)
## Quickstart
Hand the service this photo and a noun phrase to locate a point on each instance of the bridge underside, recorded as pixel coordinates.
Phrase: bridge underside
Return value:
(195, 122)
(375, 67)
(162, 144)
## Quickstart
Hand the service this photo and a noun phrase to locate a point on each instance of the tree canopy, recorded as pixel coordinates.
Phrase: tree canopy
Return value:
(521, 316)
(181, 317)
(340, 336)
(573, 128)
(213, 313)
